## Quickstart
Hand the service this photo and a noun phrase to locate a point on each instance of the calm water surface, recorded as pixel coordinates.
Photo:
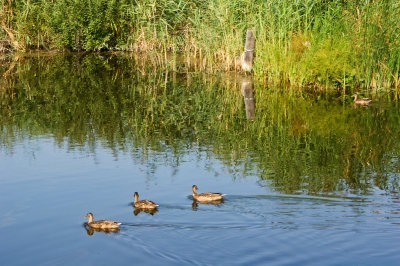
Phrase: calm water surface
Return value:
(319, 200)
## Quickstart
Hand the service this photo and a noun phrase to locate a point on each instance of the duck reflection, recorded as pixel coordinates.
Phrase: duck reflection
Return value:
(149, 211)
(195, 203)
(90, 230)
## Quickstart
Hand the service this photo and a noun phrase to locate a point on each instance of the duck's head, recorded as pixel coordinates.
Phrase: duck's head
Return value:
(194, 188)
(354, 95)
(89, 215)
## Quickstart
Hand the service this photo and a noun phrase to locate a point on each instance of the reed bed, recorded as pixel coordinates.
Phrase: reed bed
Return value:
(301, 43)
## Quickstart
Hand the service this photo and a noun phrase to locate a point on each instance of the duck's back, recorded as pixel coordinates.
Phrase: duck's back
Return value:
(104, 224)
(145, 204)
(209, 196)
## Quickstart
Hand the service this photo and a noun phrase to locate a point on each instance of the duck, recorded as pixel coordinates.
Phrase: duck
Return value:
(143, 204)
(101, 224)
(361, 101)
(205, 196)
(90, 230)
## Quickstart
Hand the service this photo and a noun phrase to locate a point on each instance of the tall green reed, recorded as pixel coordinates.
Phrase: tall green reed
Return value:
(319, 43)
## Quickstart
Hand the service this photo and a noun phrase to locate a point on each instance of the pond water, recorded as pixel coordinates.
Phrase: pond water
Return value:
(310, 179)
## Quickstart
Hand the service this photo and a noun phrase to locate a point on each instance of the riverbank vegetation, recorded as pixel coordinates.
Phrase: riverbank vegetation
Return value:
(313, 144)
(318, 43)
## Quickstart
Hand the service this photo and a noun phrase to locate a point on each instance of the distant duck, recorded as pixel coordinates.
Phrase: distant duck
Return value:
(361, 101)
(143, 204)
(206, 196)
(101, 224)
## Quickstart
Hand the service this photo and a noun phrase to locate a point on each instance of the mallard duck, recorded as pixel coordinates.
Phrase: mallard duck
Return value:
(361, 101)
(101, 224)
(90, 230)
(206, 196)
(143, 204)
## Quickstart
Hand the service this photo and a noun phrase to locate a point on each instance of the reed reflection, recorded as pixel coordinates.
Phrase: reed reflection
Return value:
(291, 136)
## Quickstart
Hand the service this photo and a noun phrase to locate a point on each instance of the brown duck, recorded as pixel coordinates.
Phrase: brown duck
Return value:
(143, 204)
(101, 224)
(361, 101)
(206, 196)
(90, 230)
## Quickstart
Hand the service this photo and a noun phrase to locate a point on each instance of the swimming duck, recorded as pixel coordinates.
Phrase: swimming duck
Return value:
(143, 204)
(361, 101)
(206, 196)
(101, 224)
(90, 230)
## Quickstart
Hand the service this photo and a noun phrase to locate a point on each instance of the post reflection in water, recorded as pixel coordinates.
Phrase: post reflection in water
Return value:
(247, 92)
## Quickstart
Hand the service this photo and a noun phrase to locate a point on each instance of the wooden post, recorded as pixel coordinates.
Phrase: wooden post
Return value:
(246, 59)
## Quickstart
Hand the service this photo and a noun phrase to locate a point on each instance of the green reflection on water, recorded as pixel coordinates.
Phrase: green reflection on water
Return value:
(306, 144)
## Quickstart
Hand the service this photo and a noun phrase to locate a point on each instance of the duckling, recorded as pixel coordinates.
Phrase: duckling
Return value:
(143, 204)
(206, 196)
(361, 101)
(101, 224)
